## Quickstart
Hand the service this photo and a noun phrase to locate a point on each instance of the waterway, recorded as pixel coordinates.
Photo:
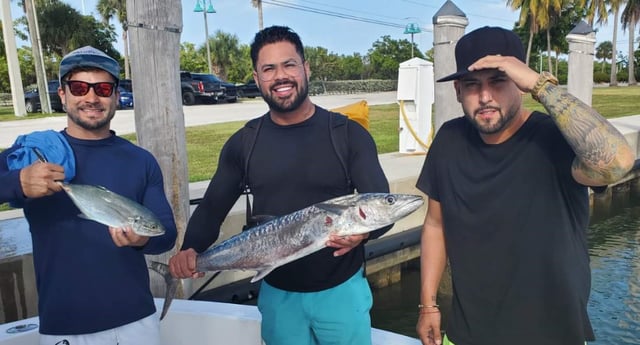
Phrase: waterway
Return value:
(614, 306)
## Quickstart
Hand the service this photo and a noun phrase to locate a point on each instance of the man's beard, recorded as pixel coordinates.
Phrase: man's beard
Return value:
(492, 127)
(282, 106)
(90, 125)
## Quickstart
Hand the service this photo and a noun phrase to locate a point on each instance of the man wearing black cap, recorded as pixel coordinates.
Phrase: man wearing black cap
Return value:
(508, 202)
(92, 280)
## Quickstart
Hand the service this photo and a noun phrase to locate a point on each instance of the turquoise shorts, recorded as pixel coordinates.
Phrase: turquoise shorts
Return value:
(337, 316)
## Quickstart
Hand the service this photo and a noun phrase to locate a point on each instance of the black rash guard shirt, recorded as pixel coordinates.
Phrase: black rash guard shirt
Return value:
(291, 167)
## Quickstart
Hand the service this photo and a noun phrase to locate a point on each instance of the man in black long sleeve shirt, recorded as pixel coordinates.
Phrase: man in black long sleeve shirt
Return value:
(323, 297)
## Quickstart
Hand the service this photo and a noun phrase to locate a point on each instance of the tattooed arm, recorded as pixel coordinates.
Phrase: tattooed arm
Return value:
(603, 156)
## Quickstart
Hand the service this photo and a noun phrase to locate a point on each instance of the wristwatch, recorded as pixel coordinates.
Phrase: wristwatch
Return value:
(544, 78)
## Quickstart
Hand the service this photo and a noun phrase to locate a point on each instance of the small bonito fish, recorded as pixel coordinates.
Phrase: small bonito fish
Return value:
(298, 234)
(106, 207)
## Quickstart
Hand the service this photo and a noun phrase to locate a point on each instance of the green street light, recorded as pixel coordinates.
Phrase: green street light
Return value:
(200, 7)
(412, 28)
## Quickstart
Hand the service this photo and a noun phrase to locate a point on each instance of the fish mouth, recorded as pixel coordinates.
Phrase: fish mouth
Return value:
(411, 204)
(149, 232)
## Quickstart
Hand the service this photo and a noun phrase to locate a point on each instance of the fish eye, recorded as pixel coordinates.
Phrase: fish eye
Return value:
(390, 199)
(151, 226)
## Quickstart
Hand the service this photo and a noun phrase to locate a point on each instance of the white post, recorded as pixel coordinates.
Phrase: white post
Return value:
(582, 41)
(15, 79)
(449, 24)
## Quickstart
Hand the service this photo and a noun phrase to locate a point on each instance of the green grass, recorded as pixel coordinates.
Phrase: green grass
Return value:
(611, 102)
(7, 114)
(203, 147)
(205, 142)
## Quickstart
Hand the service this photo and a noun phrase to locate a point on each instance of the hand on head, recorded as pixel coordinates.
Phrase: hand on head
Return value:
(523, 76)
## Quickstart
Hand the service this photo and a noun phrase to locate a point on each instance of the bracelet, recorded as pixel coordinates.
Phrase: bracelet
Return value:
(544, 78)
(422, 306)
(437, 311)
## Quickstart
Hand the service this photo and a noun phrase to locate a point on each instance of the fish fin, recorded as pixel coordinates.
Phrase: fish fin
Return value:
(172, 285)
(332, 208)
(83, 216)
(262, 273)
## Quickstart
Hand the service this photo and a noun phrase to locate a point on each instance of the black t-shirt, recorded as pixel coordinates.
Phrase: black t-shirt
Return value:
(292, 167)
(515, 230)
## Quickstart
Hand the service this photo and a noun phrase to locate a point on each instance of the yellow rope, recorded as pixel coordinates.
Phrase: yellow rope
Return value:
(412, 131)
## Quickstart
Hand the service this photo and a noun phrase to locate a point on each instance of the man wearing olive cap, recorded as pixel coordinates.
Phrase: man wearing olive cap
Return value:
(508, 202)
(92, 280)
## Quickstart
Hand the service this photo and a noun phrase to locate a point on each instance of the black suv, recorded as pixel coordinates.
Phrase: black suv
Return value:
(249, 89)
(207, 88)
(32, 98)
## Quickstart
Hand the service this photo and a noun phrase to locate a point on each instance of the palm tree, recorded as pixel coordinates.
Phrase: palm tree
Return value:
(548, 14)
(110, 8)
(528, 13)
(630, 17)
(596, 9)
(603, 51)
(599, 8)
(539, 14)
(258, 4)
(615, 8)
(225, 52)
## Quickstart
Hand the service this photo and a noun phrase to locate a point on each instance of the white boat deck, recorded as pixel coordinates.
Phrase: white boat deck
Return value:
(198, 322)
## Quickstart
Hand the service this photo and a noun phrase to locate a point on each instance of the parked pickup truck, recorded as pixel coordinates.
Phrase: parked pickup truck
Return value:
(205, 88)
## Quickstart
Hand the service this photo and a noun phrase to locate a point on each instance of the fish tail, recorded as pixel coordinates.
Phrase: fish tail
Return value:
(172, 285)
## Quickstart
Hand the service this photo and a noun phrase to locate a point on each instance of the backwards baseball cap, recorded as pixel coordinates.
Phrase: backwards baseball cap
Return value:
(89, 57)
(482, 42)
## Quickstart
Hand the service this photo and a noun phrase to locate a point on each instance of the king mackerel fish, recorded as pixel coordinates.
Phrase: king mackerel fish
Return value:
(290, 237)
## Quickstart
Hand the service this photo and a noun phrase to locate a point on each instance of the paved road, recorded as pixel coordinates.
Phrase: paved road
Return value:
(123, 122)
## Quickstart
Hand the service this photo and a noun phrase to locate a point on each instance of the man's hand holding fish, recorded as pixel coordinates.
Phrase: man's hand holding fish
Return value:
(38, 179)
(123, 237)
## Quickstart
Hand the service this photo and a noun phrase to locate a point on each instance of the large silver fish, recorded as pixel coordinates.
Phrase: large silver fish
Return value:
(290, 237)
(106, 207)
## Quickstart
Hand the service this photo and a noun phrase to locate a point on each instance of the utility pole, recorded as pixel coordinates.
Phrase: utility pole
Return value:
(15, 80)
(154, 28)
(258, 4)
(201, 6)
(36, 49)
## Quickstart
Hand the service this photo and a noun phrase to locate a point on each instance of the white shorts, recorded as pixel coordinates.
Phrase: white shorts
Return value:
(145, 331)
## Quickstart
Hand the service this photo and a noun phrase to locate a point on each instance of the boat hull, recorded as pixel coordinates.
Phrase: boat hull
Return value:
(197, 322)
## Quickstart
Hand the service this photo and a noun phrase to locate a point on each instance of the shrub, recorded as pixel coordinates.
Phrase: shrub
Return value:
(318, 87)
(623, 76)
(601, 77)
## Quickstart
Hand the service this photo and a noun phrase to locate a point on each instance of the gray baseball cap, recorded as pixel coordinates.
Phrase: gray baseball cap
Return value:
(89, 57)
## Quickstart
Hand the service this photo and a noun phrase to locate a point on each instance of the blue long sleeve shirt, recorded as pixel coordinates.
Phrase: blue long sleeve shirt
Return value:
(85, 283)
